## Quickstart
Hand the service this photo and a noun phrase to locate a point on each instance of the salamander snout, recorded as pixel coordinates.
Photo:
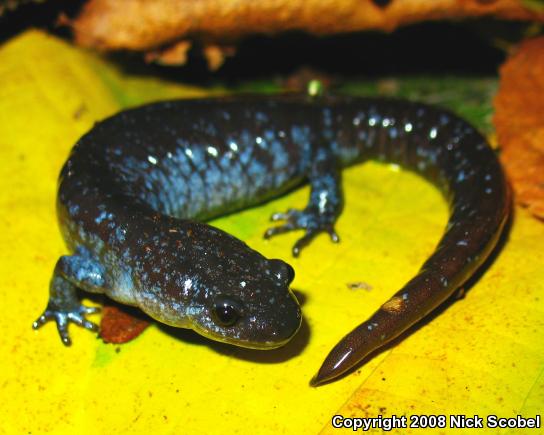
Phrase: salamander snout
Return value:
(290, 321)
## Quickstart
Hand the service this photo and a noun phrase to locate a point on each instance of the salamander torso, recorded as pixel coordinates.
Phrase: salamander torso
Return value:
(135, 189)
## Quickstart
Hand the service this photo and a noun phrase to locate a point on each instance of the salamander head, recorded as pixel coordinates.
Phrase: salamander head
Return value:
(242, 298)
(254, 310)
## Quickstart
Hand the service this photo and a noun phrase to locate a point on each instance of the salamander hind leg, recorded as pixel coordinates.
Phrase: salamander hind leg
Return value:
(323, 208)
(72, 272)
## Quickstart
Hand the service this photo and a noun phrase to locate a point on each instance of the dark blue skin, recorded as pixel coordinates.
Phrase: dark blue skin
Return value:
(134, 186)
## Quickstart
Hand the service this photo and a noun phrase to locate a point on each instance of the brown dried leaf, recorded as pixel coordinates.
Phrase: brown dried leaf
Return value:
(519, 121)
(176, 54)
(147, 24)
(216, 54)
(119, 326)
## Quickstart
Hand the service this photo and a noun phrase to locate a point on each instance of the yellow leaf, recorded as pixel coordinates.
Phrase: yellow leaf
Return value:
(482, 355)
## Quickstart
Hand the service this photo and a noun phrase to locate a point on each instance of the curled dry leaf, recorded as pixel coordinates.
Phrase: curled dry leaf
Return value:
(520, 125)
(148, 24)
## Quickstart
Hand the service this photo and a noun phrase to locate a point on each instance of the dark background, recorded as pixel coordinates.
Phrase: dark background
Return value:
(469, 48)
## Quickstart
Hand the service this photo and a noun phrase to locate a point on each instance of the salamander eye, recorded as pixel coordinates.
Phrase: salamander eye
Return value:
(283, 271)
(226, 311)
(290, 273)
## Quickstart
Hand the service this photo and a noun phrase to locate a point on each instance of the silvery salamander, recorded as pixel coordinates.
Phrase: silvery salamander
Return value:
(135, 185)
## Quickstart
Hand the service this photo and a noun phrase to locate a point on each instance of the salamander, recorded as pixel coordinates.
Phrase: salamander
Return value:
(137, 187)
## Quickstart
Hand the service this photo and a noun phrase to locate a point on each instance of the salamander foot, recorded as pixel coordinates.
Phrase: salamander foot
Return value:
(62, 317)
(309, 219)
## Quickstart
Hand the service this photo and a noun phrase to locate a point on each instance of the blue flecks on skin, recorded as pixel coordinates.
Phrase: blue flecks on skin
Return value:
(261, 117)
(196, 184)
(73, 209)
(257, 174)
(245, 156)
(349, 154)
(393, 133)
(199, 158)
(246, 138)
(281, 157)
(460, 176)
(327, 117)
(103, 216)
(120, 233)
(85, 268)
(270, 135)
(300, 134)
(444, 119)
(217, 191)
(334, 147)
(362, 135)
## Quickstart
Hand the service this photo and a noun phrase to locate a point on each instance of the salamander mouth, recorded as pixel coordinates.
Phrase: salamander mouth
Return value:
(247, 344)
(267, 345)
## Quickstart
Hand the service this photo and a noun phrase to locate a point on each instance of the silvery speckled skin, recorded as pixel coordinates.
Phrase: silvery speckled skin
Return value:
(133, 187)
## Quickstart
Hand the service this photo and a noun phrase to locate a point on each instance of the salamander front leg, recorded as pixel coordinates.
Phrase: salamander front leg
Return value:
(322, 210)
(71, 273)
